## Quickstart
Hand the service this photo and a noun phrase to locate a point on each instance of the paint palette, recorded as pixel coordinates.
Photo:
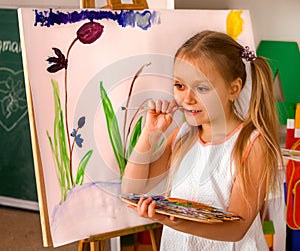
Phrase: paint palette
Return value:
(184, 209)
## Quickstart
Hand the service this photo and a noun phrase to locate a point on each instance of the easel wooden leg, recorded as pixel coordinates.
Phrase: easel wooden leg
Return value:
(95, 246)
(92, 245)
(84, 245)
(80, 245)
(153, 241)
(102, 245)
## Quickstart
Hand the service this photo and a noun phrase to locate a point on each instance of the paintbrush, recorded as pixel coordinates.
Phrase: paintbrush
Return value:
(124, 108)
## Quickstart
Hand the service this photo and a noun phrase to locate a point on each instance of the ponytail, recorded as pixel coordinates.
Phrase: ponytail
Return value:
(262, 116)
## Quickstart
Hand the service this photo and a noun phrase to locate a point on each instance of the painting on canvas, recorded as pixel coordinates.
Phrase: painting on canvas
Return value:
(81, 68)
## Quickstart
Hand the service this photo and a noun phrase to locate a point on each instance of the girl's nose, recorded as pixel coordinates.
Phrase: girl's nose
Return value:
(190, 97)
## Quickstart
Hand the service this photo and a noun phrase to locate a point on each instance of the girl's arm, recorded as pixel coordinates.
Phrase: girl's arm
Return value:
(147, 167)
(246, 204)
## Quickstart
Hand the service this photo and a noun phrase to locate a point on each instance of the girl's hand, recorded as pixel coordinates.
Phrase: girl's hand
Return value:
(146, 209)
(160, 117)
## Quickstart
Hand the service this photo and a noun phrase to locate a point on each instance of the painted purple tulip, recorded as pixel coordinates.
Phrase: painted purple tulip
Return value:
(89, 32)
(57, 63)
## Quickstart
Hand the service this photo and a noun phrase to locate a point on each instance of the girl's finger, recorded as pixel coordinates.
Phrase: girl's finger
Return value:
(151, 210)
(164, 106)
(151, 104)
(158, 104)
(143, 206)
(172, 106)
(139, 204)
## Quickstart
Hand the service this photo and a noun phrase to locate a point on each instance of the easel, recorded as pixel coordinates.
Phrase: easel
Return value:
(98, 242)
(117, 4)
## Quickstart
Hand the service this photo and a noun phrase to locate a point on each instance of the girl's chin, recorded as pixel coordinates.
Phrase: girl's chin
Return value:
(192, 121)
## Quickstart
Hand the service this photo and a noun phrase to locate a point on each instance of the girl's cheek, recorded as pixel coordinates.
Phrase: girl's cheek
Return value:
(178, 96)
(213, 106)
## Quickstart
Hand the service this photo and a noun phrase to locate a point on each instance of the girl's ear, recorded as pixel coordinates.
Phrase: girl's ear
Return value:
(235, 88)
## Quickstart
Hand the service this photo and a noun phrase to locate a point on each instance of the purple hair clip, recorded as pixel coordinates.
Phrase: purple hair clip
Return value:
(249, 55)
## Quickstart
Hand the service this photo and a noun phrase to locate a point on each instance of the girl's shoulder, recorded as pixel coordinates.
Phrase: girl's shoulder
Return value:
(252, 140)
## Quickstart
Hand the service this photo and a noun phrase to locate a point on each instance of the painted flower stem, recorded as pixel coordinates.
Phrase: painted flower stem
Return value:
(66, 110)
(71, 158)
(125, 136)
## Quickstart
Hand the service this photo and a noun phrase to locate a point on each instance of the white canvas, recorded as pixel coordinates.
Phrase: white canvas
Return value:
(146, 38)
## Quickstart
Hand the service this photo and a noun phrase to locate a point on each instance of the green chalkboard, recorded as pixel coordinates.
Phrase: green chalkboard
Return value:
(17, 179)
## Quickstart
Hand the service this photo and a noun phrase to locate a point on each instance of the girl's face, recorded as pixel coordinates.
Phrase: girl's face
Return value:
(202, 92)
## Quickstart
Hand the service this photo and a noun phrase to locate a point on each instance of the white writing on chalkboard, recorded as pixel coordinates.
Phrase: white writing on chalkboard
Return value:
(10, 46)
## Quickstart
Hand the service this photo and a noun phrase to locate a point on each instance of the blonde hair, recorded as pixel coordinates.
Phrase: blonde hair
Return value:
(225, 53)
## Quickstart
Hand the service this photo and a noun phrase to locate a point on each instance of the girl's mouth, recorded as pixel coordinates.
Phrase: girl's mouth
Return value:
(192, 111)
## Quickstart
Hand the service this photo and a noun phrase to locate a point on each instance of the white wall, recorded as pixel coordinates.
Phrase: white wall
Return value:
(153, 4)
(40, 3)
(271, 19)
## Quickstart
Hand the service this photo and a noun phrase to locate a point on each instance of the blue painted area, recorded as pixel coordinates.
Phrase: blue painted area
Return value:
(142, 19)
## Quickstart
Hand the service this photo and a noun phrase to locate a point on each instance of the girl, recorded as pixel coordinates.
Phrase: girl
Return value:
(222, 155)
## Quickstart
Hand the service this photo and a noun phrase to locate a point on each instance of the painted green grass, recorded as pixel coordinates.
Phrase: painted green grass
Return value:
(60, 150)
(115, 135)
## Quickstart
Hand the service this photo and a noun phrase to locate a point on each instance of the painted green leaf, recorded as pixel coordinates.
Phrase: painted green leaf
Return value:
(60, 173)
(113, 129)
(81, 167)
(134, 137)
(60, 144)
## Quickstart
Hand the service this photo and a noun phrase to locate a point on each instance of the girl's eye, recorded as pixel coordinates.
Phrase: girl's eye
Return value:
(179, 85)
(202, 89)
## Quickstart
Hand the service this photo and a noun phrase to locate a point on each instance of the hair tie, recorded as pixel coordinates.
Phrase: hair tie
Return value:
(247, 54)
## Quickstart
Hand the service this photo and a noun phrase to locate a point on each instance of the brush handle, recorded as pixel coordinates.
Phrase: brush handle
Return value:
(136, 108)
(141, 108)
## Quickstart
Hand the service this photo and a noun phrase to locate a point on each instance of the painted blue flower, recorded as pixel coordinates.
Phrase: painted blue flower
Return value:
(73, 133)
(81, 122)
(77, 137)
(78, 140)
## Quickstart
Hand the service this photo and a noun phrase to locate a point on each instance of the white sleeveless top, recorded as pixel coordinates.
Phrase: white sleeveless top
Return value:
(205, 175)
